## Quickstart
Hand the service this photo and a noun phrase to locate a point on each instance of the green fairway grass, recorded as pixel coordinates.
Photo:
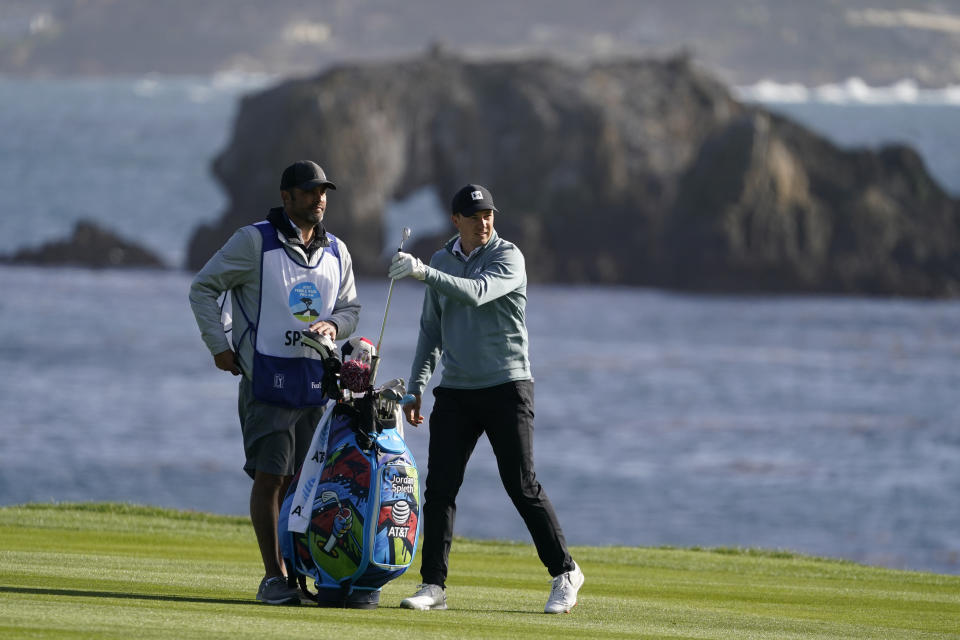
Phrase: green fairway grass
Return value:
(121, 571)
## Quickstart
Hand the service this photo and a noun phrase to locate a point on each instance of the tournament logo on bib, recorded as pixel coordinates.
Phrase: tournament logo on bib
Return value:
(304, 299)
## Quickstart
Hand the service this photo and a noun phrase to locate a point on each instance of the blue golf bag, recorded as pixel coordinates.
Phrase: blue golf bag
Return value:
(351, 517)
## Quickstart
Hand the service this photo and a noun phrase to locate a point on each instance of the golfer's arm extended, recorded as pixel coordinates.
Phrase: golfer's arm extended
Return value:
(497, 279)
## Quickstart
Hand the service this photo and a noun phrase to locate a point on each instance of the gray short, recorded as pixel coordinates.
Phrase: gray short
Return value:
(275, 439)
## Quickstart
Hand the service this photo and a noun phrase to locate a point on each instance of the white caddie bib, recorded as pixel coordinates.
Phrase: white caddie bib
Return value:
(292, 297)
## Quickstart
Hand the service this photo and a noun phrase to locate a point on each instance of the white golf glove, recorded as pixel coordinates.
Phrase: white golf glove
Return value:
(404, 264)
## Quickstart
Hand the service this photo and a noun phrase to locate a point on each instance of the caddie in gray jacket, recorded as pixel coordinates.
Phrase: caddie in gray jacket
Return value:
(473, 322)
(284, 275)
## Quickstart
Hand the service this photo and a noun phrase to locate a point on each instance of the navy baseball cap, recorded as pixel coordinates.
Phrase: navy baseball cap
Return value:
(472, 198)
(306, 175)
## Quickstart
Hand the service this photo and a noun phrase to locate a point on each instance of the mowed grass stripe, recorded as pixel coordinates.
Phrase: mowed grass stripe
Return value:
(122, 571)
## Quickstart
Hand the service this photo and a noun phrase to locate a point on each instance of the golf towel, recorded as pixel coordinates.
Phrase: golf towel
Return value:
(302, 503)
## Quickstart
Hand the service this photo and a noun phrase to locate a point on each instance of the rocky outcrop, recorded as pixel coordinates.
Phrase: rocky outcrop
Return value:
(88, 246)
(639, 172)
(769, 206)
(562, 148)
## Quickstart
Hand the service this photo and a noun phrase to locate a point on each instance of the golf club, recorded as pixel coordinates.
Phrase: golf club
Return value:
(375, 361)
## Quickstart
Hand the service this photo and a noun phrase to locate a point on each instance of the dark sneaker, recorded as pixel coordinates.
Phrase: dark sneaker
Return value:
(563, 595)
(275, 590)
(429, 596)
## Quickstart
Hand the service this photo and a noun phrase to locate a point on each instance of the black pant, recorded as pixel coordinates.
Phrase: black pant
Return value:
(459, 417)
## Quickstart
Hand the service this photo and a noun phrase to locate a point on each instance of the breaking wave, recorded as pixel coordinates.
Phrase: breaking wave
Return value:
(851, 91)
(199, 89)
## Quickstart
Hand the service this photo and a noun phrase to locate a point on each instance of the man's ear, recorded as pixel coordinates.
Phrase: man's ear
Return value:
(285, 197)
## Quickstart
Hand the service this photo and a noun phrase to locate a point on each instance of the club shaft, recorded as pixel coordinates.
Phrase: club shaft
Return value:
(383, 325)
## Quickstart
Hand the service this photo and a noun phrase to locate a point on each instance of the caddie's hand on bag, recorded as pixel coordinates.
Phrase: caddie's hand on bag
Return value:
(404, 264)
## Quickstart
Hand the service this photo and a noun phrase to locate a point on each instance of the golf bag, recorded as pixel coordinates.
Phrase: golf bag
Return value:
(351, 517)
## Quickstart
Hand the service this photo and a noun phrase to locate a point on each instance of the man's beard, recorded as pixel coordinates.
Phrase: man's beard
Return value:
(311, 216)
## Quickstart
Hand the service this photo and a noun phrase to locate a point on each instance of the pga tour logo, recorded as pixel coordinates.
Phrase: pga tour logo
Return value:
(476, 195)
(278, 381)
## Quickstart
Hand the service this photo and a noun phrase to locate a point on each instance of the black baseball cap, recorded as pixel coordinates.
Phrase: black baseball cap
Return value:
(306, 175)
(472, 198)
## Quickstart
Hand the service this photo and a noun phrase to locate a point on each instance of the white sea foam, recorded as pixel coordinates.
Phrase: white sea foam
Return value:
(233, 80)
(147, 87)
(851, 91)
(200, 88)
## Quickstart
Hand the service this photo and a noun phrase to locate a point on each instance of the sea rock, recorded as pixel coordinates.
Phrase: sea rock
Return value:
(88, 246)
(766, 205)
(640, 172)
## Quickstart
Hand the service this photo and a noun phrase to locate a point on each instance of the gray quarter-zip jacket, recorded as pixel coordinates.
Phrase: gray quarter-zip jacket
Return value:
(474, 319)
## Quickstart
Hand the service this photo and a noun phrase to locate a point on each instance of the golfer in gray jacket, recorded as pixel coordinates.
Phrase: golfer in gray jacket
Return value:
(473, 323)
(285, 274)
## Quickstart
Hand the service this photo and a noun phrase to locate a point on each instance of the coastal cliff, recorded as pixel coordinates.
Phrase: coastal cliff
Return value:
(639, 172)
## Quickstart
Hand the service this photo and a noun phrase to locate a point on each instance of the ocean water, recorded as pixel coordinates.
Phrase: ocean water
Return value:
(130, 153)
(825, 425)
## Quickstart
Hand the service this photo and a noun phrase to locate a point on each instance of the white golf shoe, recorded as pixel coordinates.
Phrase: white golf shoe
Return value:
(563, 595)
(427, 597)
